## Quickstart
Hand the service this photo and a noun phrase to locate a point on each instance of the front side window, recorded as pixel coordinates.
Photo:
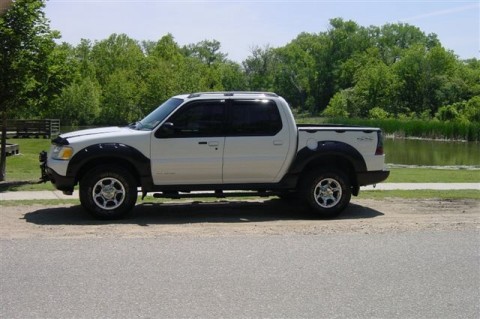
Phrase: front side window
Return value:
(159, 114)
(196, 119)
(254, 118)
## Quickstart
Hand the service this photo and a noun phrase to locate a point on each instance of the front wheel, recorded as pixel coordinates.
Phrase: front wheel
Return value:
(327, 192)
(108, 192)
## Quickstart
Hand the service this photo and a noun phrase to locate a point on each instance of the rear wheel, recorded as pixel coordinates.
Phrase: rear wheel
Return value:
(327, 192)
(108, 192)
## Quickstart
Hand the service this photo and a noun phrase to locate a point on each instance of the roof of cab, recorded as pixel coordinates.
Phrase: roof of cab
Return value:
(227, 94)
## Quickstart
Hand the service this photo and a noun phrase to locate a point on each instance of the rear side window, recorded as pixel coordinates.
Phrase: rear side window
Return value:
(254, 118)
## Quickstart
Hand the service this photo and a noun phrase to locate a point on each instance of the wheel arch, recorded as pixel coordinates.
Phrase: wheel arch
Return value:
(331, 162)
(111, 154)
(107, 161)
(332, 155)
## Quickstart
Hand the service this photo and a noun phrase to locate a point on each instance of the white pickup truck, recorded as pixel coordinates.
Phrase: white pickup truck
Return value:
(219, 143)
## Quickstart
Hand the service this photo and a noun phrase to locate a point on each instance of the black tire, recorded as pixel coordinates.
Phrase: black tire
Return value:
(108, 192)
(327, 192)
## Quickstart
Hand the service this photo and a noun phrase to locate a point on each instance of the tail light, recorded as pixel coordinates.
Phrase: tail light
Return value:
(379, 150)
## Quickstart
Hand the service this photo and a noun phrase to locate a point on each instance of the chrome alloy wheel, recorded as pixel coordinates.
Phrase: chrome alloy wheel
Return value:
(328, 193)
(108, 193)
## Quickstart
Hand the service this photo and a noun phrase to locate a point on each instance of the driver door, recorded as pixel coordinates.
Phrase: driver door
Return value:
(188, 148)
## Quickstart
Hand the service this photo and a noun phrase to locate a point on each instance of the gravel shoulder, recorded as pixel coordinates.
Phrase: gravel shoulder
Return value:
(237, 218)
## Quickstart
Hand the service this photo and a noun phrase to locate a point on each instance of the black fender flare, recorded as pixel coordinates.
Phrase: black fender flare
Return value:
(115, 152)
(325, 152)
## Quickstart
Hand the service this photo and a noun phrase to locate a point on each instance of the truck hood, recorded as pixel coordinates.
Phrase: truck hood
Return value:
(94, 131)
(79, 140)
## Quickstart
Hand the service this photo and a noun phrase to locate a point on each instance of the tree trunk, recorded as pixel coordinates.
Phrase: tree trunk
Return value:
(3, 155)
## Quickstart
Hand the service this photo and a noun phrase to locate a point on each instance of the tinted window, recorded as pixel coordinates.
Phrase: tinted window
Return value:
(197, 119)
(159, 114)
(254, 118)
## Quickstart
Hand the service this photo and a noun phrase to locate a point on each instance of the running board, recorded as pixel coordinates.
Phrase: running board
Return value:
(217, 194)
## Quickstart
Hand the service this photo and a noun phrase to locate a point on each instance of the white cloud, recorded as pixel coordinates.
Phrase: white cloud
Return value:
(442, 12)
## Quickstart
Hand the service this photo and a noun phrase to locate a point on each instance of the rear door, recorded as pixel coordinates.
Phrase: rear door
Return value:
(256, 143)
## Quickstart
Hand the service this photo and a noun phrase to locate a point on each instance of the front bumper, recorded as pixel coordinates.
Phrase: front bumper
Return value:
(63, 183)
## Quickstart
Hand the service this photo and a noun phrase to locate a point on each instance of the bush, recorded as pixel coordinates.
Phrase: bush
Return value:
(448, 113)
(435, 129)
(338, 106)
(378, 113)
(472, 109)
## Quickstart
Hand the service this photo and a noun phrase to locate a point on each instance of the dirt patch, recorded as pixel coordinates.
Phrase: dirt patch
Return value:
(232, 218)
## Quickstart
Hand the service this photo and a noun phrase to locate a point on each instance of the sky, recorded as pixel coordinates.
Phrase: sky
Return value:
(242, 25)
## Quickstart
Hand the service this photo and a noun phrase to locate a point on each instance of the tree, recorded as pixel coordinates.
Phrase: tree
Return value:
(79, 103)
(207, 51)
(393, 39)
(26, 45)
(296, 74)
(121, 96)
(424, 75)
(375, 87)
(337, 45)
(118, 52)
(118, 62)
(259, 69)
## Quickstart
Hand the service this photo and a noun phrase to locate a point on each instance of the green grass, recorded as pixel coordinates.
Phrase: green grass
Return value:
(421, 194)
(429, 175)
(45, 202)
(25, 166)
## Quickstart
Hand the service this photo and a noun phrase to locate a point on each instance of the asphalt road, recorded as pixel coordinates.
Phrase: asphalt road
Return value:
(427, 274)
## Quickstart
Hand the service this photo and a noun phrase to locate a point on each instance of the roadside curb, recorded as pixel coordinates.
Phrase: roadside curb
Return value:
(419, 186)
(52, 195)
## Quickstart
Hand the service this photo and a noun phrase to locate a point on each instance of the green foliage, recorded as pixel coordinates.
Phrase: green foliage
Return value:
(392, 71)
(466, 112)
(340, 105)
(31, 66)
(448, 113)
(79, 103)
(377, 113)
(28, 59)
(472, 109)
(208, 52)
(260, 69)
(408, 127)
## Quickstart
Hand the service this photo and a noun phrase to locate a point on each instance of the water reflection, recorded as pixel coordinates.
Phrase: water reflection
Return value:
(435, 153)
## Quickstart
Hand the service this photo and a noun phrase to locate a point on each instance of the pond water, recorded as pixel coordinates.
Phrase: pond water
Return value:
(431, 153)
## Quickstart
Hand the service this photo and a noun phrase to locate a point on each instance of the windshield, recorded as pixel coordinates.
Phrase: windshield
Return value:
(159, 114)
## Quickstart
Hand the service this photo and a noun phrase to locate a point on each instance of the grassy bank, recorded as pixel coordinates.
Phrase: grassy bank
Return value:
(417, 128)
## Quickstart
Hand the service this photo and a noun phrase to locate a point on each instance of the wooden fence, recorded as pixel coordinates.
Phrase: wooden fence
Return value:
(33, 128)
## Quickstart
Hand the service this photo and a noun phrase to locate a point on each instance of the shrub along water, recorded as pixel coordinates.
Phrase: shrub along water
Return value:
(454, 130)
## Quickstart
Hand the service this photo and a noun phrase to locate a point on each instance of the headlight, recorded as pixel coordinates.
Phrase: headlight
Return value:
(62, 152)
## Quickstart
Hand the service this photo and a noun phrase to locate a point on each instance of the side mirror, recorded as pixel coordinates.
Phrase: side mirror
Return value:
(166, 130)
